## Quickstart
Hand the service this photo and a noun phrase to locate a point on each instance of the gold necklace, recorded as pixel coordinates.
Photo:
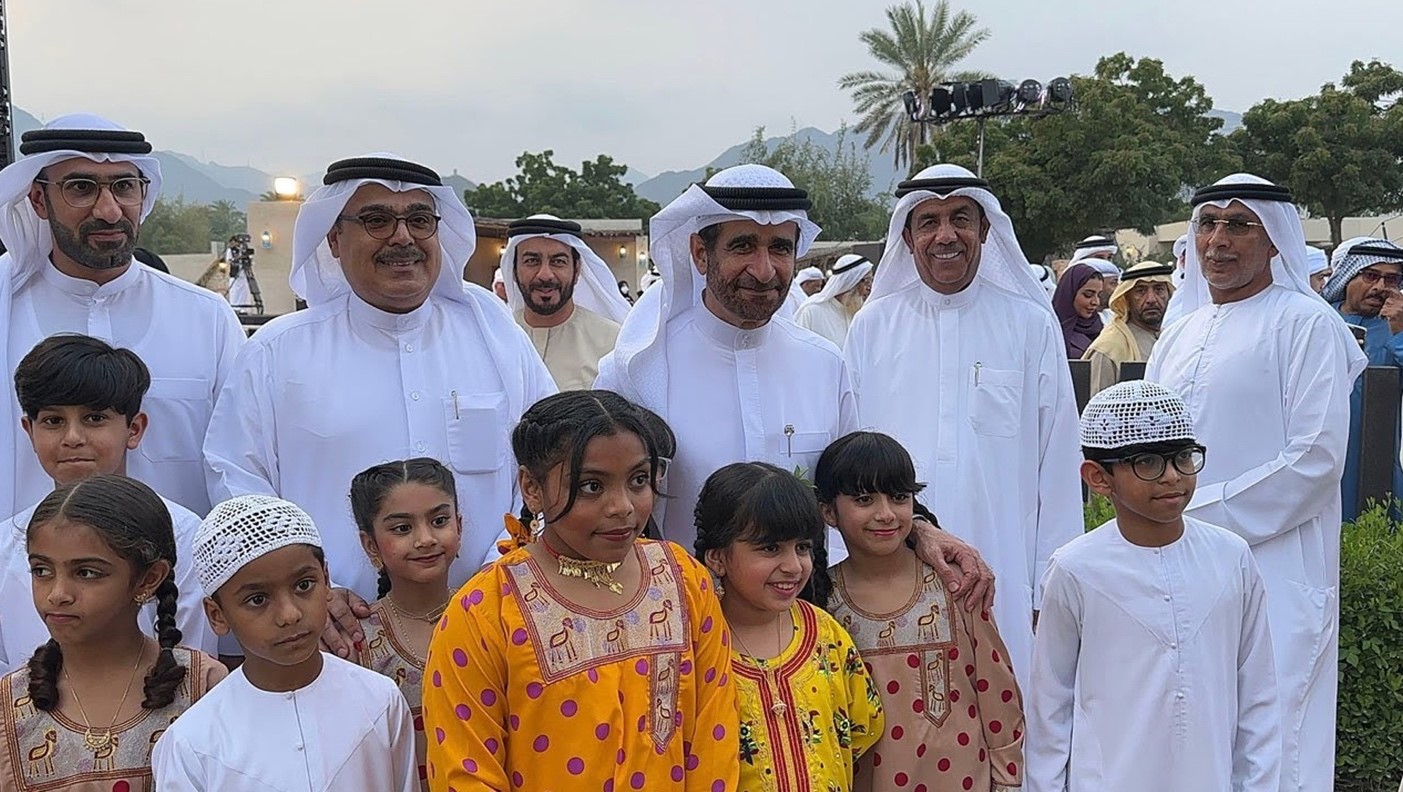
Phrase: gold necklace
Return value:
(431, 615)
(600, 573)
(778, 707)
(98, 741)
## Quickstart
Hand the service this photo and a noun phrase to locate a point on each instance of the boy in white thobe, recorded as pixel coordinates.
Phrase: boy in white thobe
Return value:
(1152, 668)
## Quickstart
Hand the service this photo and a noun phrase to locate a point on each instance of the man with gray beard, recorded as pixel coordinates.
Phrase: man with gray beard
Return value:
(70, 211)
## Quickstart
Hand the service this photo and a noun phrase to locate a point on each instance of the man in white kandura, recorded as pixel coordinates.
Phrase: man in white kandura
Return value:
(831, 311)
(1266, 366)
(70, 210)
(394, 357)
(958, 355)
(563, 295)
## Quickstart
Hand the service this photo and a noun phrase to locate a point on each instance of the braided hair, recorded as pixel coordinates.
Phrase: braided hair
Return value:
(135, 523)
(371, 486)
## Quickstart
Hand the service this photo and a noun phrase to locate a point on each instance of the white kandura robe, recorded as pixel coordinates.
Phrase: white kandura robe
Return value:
(348, 731)
(322, 394)
(1268, 380)
(827, 318)
(188, 338)
(776, 394)
(22, 629)
(571, 350)
(1153, 668)
(975, 385)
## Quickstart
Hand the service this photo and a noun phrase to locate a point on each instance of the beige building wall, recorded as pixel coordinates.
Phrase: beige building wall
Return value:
(273, 264)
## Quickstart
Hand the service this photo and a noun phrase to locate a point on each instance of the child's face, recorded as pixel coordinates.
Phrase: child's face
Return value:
(766, 577)
(612, 503)
(82, 588)
(871, 524)
(1160, 501)
(417, 533)
(275, 606)
(75, 442)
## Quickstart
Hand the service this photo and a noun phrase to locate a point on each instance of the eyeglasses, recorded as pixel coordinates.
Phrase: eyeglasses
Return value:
(383, 225)
(80, 193)
(1204, 226)
(1390, 279)
(1150, 466)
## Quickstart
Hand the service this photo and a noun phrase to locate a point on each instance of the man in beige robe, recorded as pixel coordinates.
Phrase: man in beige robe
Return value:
(1137, 305)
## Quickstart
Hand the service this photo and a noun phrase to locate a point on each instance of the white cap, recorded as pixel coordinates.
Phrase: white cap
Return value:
(1135, 413)
(241, 530)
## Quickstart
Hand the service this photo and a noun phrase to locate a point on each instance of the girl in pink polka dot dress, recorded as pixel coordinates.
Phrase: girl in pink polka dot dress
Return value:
(587, 659)
(808, 708)
(954, 712)
(410, 529)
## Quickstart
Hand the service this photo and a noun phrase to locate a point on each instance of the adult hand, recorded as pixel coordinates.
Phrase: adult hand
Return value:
(957, 563)
(343, 632)
(1393, 312)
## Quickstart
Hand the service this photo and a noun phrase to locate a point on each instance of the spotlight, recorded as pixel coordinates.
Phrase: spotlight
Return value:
(959, 99)
(913, 110)
(1029, 91)
(941, 102)
(1060, 90)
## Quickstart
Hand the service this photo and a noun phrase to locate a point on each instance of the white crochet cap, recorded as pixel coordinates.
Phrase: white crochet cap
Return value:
(242, 530)
(1135, 413)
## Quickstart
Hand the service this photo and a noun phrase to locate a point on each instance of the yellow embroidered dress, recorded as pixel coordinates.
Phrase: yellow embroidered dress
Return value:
(808, 714)
(526, 690)
(954, 713)
(44, 751)
(386, 652)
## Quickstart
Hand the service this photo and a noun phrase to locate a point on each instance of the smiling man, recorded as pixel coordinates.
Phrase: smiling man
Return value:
(395, 357)
(957, 354)
(562, 294)
(70, 212)
(1265, 367)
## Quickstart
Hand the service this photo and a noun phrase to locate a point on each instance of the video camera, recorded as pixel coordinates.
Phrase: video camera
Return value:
(239, 255)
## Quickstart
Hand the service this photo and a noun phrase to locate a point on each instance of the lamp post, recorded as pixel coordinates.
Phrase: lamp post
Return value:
(985, 99)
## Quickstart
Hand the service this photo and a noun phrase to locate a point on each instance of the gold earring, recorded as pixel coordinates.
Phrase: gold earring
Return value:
(141, 598)
(538, 523)
(375, 562)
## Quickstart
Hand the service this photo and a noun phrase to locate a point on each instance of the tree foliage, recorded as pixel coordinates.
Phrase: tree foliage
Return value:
(1340, 152)
(226, 220)
(837, 181)
(1125, 157)
(176, 227)
(596, 190)
(922, 52)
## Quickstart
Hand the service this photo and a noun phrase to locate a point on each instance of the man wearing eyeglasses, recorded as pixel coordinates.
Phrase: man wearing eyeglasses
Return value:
(71, 209)
(395, 357)
(1265, 367)
(1365, 290)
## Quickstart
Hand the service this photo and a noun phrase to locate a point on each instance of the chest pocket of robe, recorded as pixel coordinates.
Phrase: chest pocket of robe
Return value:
(477, 428)
(995, 401)
(180, 411)
(800, 449)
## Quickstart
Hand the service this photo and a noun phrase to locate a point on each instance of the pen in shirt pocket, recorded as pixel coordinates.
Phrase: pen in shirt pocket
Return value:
(977, 367)
(456, 416)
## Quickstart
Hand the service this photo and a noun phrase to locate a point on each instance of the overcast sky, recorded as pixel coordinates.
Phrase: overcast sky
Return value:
(290, 85)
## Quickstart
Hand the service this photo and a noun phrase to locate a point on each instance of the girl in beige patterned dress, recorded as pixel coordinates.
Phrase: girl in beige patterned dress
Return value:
(73, 719)
(407, 513)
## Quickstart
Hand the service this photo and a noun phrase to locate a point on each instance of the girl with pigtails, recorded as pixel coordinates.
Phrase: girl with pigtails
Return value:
(75, 718)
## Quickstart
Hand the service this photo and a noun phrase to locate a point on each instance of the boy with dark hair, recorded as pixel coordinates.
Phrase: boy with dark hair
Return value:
(80, 401)
(1152, 664)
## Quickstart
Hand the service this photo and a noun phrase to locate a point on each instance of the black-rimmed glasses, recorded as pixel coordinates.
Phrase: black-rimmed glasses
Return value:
(1391, 280)
(81, 193)
(1204, 226)
(383, 225)
(1150, 466)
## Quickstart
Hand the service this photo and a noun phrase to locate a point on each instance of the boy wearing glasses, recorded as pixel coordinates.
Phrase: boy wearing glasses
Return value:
(1152, 664)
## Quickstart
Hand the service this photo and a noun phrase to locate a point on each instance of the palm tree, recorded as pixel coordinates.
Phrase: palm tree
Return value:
(922, 50)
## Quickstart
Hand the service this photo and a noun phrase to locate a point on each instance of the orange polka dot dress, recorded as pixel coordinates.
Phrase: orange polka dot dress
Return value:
(954, 711)
(525, 690)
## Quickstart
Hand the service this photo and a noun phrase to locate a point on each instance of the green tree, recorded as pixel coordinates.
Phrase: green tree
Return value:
(1126, 157)
(837, 183)
(176, 227)
(596, 190)
(922, 51)
(1340, 152)
(226, 220)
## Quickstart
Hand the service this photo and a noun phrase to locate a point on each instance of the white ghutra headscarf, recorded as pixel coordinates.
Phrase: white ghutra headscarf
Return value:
(595, 290)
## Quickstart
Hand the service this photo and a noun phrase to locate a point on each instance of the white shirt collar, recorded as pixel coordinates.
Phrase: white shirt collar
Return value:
(364, 313)
(80, 287)
(726, 335)
(954, 301)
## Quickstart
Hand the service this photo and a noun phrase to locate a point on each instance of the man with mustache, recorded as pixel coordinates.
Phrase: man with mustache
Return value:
(1265, 367)
(394, 357)
(958, 355)
(1365, 290)
(70, 211)
(709, 353)
(563, 295)
(1137, 310)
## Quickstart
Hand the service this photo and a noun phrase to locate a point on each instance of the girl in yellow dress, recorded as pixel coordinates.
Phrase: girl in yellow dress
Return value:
(808, 709)
(410, 529)
(76, 718)
(587, 658)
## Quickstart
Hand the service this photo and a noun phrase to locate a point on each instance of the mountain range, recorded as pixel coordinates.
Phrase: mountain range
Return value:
(198, 181)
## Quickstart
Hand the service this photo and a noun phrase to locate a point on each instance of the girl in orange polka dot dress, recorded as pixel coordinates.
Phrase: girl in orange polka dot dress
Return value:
(808, 708)
(587, 659)
(954, 711)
